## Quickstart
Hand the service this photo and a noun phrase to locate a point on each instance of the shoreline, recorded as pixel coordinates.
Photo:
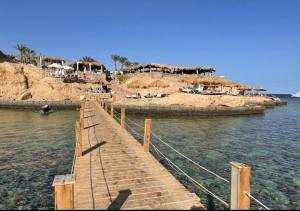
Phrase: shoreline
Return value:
(37, 104)
(190, 110)
(257, 108)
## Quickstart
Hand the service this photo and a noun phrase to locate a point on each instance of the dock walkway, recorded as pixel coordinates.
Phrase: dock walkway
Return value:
(115, 173)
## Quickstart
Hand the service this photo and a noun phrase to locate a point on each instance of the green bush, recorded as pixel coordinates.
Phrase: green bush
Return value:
(122, 78)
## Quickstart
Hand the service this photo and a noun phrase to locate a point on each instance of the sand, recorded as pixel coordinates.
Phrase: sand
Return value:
(17, 79)
(20, 81)
(144, 82)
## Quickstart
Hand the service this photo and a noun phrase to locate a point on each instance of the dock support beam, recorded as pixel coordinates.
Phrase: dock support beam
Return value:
(240, 186)
(147, 134)
(112, 110)
(123, 117)
(64, 192)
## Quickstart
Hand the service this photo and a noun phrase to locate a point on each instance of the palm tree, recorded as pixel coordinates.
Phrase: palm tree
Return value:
(22, 50)
(88, 59)
(127, 63)
(122, 60)
(31, 54)
(115, 59)
(135, 63)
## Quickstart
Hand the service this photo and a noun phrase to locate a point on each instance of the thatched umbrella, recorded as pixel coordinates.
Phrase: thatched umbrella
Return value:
(259, 89)
(159, 84)
(137, 84)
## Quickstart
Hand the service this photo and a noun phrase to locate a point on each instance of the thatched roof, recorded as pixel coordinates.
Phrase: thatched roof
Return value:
(169, 68)
(94, 64)
(143, 84)
(4, 57)
(52, 59)
(208, 81)
(260, 89)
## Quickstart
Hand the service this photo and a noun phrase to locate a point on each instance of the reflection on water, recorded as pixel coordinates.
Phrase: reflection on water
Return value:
(269, 143)
(33, 150)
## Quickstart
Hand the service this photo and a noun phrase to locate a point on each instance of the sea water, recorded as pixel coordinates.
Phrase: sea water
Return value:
(268, 143)
(34, 148)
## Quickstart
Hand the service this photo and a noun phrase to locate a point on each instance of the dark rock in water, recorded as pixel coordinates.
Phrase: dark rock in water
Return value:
(46, 109)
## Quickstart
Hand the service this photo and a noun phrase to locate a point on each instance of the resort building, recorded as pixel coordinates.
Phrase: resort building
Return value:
(46, 60)
(153, 67)
(87, 66)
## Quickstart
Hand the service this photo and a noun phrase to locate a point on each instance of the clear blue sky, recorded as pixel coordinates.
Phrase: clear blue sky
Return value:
(256, 42)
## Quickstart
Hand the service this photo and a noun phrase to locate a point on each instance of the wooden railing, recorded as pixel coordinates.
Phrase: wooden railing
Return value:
(64, 184)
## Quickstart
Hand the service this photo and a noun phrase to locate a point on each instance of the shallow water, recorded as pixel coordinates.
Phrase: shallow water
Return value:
(33, 150)
(269, 143)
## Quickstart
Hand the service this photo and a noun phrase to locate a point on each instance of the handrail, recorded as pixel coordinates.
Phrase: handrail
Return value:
(257, 201)
(190, 178)
(189, 159)
(179, 170)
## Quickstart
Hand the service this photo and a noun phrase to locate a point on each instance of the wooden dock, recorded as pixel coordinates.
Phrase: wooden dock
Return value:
(114, 172)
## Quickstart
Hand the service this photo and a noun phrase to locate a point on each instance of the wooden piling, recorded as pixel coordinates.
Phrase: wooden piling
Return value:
(147, 134)
(123, 117)
(240, 186)
(64, 192)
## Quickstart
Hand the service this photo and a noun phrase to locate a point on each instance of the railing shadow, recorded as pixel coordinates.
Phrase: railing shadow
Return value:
(87, 127)
(120, 200)
(93, 148)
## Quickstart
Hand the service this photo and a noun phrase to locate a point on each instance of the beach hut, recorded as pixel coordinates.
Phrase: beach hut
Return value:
(87, 66)
(164, 68)
(46, 60)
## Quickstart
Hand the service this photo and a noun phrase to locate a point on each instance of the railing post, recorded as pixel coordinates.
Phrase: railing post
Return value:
(112, 110)
(78, 138)
(240, 186)
(147, 134)
(64, 192)
(123, 117)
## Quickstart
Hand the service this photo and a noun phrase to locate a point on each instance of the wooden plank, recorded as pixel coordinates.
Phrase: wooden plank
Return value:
(114, 173)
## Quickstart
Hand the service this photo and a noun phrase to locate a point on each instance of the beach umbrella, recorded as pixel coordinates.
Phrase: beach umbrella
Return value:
(67, 67)
(55, 65)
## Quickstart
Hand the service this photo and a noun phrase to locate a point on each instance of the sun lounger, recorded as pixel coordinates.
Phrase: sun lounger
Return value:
(186, 89)
(148, 96)
(134, 96)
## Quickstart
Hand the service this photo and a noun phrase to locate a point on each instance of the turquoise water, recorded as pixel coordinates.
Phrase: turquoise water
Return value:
(269, 143)
(33, 150)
